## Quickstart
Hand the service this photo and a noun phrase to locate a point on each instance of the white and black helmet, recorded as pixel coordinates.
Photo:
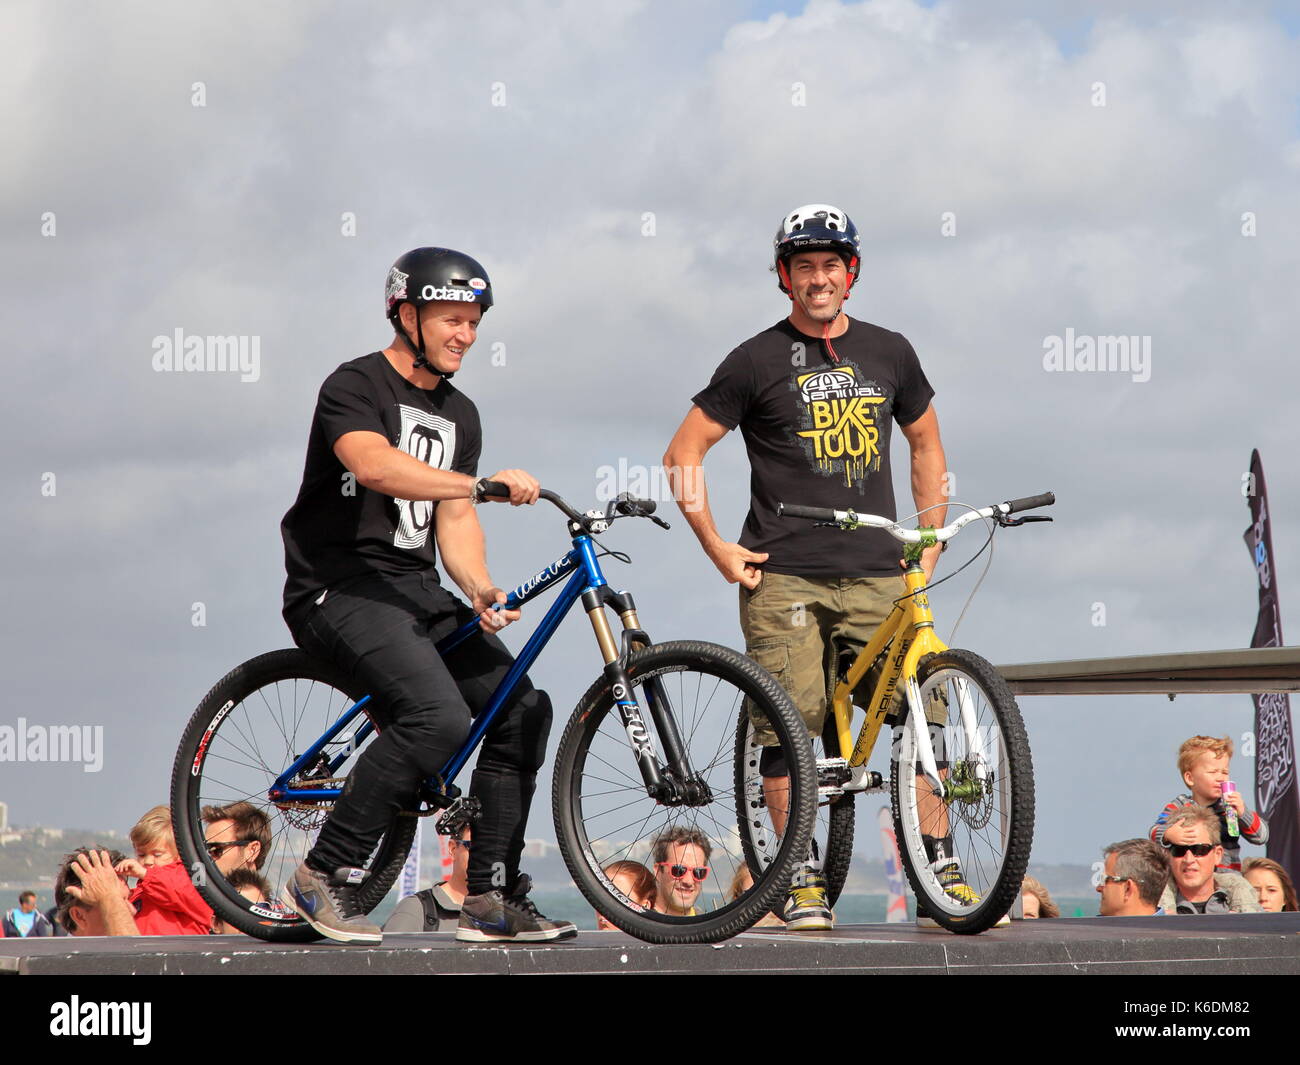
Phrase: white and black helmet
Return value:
(813, 227)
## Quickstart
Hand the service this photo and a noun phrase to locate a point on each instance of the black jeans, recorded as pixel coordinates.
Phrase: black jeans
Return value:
(382, 630)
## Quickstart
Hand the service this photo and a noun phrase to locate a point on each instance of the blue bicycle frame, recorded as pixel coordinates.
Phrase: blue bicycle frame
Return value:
(585, 579)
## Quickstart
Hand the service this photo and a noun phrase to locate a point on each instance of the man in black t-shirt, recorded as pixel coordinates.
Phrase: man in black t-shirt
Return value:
(390, 477)
(815, 397)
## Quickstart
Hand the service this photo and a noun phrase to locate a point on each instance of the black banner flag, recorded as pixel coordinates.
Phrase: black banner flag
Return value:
(1275, 769)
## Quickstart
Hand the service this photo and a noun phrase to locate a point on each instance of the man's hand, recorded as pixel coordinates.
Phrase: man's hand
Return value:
(738, 564)
(490, 620)
(100, 883)
(929, 560)
(523, 487)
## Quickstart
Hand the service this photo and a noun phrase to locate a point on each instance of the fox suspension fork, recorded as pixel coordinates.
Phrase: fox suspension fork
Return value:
(673, 782)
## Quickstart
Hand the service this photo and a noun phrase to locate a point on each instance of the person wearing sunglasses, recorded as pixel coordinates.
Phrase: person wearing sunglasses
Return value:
(237, 835)
(437, 908)
(1133, 877)
(1192, 842)
(681, 866)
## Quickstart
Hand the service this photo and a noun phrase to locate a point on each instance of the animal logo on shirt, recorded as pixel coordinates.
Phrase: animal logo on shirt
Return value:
(842, 422)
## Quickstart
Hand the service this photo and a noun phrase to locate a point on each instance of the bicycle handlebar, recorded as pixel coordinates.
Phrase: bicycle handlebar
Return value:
(626, 505)
(849, 519)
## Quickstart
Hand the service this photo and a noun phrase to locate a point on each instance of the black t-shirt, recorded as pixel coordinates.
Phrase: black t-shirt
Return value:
(337, 528)
(817, 433)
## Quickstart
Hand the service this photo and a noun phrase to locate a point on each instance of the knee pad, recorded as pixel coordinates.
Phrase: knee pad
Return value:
(772, 763)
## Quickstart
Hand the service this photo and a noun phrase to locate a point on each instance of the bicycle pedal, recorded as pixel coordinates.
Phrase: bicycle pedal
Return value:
(463, 811)
(832, 775)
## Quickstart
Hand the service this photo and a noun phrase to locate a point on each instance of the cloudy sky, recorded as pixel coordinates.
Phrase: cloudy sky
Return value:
(249, 169)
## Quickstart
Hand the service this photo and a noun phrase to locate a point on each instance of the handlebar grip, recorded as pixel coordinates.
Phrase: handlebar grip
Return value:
(1031, 502)
(495, 490)
(632, 505)
(793, 510)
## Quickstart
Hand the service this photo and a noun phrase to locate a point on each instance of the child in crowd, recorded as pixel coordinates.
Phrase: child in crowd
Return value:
(167, 903)
(1203, 763)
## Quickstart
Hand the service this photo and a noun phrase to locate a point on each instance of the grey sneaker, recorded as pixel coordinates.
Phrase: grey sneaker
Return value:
(329, 904)
(495, 917)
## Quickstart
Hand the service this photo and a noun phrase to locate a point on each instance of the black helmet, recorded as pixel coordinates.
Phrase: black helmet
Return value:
(814, 227)
(425, 275)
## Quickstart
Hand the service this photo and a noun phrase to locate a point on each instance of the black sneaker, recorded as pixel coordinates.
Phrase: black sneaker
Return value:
(495, 917)
(329, 904)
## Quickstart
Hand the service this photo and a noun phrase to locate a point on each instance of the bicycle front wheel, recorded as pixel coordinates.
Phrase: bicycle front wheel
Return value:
(604, 815)
(247, 731)
(985, 809)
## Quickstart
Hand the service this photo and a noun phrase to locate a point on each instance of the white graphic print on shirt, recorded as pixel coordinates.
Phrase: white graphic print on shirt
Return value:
(432, 440)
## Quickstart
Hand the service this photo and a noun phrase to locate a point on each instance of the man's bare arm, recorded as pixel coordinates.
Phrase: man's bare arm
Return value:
(464, 551)
(684, 463)
(379, 466)
(928, 468)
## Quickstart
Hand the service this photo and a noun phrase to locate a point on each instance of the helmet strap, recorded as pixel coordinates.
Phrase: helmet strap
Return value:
(421, 360)
(826, 339)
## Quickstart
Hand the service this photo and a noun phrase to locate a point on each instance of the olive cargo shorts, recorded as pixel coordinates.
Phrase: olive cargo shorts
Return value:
(795, 627)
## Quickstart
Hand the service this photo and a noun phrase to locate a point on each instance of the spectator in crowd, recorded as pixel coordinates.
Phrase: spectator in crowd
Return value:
(237, 835)
(153, 840)
(1272, 884)
(91, 897)
(635, 881)
(52, 915)
(1192, 840)
(1203, 763)
(1035, 901)
(681, 864)
(741, 881)
(1134, 877)
(166, 900)
(26, 920)
(249, 884)
(437, 908)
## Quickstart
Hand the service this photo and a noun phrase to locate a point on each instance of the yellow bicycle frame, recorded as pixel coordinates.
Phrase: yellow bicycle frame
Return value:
(910, 630)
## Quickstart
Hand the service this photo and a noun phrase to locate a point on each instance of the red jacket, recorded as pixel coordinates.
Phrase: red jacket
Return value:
(169, 905)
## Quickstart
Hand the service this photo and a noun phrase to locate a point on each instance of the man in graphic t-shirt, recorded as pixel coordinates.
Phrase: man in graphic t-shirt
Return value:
(390, 477)
(815, 397)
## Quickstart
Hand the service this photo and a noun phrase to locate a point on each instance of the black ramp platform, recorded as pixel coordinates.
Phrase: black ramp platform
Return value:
(1262, 944)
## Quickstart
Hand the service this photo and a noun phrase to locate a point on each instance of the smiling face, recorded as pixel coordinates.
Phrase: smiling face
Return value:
(677, 895)
(448, 329)
(818, 282)
(1268, 886)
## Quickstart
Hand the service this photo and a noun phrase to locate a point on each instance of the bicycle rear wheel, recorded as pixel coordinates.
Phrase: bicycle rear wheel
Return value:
(833, 828)
(247, 730)
(986, 808)
(604, 815)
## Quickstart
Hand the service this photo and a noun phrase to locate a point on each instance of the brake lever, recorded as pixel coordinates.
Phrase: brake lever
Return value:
(1008, 522)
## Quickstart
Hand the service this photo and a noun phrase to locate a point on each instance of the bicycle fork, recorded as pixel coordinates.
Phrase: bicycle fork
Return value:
(673, 782)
